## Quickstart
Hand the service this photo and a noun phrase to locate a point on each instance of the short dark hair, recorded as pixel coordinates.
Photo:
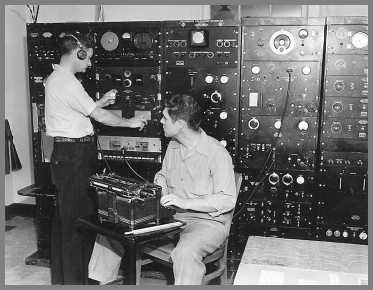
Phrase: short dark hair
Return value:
(68, 43)
(185, 107)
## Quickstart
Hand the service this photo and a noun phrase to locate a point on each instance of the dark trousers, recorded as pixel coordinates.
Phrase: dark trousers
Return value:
(72, 164)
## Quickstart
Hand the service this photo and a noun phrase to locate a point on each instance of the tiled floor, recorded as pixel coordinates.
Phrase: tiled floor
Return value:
(21, 241)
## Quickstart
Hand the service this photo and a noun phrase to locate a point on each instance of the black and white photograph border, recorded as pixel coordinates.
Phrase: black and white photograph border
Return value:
(21, 227)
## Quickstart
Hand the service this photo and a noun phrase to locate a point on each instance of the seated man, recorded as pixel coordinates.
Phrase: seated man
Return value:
(197, 176)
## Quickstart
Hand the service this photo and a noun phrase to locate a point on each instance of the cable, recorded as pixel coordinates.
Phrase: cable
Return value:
(37, 13)
(289, 71)
(103, 157)
(31, 11)
(34, 14)
(125, 160)
(100, 13)
(133, 170)
(278, 135)
(273, 149)
(251, 195)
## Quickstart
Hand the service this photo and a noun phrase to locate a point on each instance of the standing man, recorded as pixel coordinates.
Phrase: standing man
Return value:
(68, 109)
(197, 176)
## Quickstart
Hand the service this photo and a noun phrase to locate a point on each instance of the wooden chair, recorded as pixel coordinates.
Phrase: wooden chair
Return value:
(160, 252)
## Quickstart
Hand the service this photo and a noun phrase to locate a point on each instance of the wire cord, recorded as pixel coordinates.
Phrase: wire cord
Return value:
(271, 151)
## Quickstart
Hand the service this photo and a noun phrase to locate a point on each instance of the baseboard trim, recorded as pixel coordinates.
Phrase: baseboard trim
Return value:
(19, 209)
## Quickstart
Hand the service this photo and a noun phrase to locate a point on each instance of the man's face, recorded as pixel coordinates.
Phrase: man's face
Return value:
(171, 128)
(82, 65)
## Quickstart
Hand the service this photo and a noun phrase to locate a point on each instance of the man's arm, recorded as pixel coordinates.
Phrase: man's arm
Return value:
(107, 99)
(107, 118)
(160, 176)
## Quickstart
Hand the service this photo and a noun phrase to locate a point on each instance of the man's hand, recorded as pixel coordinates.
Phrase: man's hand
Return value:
(161, 181)
(137, 122)
(107, 99)
(174, 200)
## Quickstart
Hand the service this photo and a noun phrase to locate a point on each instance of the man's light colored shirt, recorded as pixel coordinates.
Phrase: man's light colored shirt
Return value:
(67, 105)
(204, 172)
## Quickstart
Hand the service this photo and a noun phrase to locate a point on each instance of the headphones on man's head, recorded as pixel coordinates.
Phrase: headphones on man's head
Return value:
(81, 53)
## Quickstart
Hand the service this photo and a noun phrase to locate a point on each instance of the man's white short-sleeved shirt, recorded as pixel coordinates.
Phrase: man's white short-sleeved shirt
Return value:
(67, 105)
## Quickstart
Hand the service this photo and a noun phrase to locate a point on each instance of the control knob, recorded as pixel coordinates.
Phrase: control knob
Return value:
(329, 233)
(303, 33)
(287, 179)
(300, 179)
(273, 178)
(337, 107)
(224, 79)
(253, 123)
(339, 86)
(223, 115)
(127, 83)
(336, 127)
(209, 79)
(363, 236)
(127, 73)
(216, 97)
(255, 69)
(303, 125)
(306, 70)
(277, 124)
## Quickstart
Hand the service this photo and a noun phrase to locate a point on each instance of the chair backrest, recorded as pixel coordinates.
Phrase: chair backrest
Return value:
(238, 181)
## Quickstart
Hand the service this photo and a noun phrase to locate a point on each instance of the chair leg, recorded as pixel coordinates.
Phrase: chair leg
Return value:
(224, 277)
(138, 264)
(224, 264)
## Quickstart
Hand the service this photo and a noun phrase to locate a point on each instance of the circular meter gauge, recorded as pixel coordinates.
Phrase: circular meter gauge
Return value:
(360, 39)
(282, 42)
(143, 41)
(303, 33)
(109, 41)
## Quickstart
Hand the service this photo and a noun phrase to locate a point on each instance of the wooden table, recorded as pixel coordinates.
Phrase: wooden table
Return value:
(277, 261)
(132, 243)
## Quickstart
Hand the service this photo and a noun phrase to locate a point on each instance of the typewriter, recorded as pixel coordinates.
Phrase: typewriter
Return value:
(128, 201)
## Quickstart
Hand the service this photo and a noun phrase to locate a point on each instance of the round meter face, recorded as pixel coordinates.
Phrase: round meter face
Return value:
(360, 39)
(109, 41)
(282, 42)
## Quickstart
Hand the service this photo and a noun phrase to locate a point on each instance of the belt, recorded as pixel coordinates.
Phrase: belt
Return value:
(85, 139)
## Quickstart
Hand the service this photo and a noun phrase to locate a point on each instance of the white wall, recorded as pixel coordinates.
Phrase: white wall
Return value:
(88, 13)
(17, 100)
(337, 10)
(66, 13)
(17, 105)
(155, 12)
(279, 10)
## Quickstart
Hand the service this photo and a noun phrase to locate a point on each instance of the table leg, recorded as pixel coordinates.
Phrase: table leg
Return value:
(131, 258)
